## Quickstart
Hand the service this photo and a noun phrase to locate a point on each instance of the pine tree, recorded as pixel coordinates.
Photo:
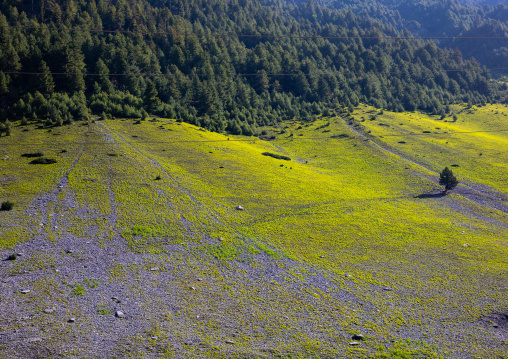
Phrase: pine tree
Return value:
(45, 79)
(151, 101)
(447, 179)
(4, 84)
(103, 79)
(75, 67)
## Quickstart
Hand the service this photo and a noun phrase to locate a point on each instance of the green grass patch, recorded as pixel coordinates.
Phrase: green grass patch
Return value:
(78, 290)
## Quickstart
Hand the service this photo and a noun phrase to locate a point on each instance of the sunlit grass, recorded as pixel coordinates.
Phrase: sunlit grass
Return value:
(341, 205)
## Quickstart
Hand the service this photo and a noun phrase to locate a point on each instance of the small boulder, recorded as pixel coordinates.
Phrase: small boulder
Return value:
(25, 291)
(49, 310)
(154, 269)
(119, 314)
(229, 341)
(358, 337)
(240, 208)
(71, 320)
(354, 343)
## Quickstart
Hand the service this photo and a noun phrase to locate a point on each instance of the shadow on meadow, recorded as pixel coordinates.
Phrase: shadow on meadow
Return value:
(431, 195)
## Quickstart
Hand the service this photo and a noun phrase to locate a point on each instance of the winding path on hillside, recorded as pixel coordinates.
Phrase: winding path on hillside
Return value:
(476, 192)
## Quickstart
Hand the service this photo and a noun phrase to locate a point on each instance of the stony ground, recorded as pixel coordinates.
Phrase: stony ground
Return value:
(78, 288)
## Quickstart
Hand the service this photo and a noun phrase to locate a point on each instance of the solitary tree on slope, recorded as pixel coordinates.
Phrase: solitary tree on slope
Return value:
(447, 179)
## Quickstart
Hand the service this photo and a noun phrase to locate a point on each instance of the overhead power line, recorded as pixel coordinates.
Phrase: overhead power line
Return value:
(260, 36)
(150, 74)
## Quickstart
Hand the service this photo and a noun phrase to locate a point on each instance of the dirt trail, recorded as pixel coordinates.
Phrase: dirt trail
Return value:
(152, 161)
(478, 193)
(212, 214)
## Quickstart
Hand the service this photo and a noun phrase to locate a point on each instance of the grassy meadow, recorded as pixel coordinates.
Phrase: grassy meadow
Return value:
(341, 239)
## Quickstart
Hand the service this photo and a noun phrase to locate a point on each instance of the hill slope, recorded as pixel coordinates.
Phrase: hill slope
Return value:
(347, 237)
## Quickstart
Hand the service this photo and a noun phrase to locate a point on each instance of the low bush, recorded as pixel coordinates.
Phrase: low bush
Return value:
(342, 135)
(279, 157)
(32, 155)
(7, 206)
(43, 161)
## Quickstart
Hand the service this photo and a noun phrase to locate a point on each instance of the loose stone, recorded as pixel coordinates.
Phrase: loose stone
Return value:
(154, 269)
(49, 310)
(72, 320)
(357, 337)
(239, 208)
(388, 289)
(229, 341)
(25, 291)
(354, 343)
(119, 314)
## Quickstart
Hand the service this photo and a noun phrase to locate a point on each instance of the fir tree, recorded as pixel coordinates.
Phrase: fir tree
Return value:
(151, 101)
(447, 179)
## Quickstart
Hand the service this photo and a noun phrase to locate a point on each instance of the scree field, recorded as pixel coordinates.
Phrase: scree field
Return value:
(131, 244)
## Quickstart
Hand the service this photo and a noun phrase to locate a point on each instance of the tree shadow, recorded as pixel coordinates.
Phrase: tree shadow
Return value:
(431, 195)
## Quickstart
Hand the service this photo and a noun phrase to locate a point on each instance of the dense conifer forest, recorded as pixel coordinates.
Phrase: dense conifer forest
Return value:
(487, 19)
(226, 66)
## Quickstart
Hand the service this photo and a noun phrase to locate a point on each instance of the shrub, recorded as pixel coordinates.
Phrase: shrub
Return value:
(78, 290)
(158, 178)
(279, 157)
(43, 161)
(31, 155)
(7, 206)
(12, 257)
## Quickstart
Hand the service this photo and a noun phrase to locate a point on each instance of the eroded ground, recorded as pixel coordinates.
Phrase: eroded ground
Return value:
(351, 236)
